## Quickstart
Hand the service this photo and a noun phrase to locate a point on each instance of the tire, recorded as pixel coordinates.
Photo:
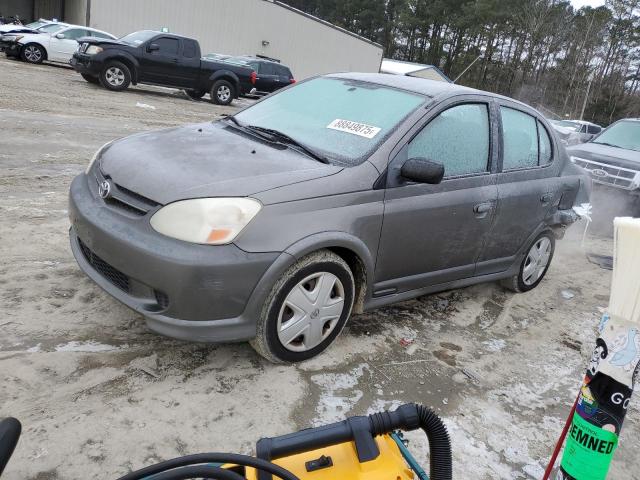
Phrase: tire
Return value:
(115, 76)
(322, 275)
(530, 275)
(222, 92)
(195, 94)
(33, 53)
(91, 79)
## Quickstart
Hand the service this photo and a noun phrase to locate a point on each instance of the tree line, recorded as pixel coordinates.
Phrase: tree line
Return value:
(544, 52)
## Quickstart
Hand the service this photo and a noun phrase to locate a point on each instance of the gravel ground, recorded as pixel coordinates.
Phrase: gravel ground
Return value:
(99, 394)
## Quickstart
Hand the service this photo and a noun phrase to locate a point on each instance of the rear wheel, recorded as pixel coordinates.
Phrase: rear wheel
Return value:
(306, 309)
(33, 53)
(91, 79)
(535, 264)
(222, 92)
(115, 76)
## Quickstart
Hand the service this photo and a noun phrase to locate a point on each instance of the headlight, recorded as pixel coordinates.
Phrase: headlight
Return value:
(18, 38)
(93, 50)
(96, 156)
(211, 221)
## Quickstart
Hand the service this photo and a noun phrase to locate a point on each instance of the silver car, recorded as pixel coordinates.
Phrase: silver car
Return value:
(337, 195)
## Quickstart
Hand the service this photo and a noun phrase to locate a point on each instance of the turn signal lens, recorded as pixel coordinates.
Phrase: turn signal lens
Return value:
(209, 221)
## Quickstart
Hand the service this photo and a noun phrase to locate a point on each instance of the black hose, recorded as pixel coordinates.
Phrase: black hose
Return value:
(198, 471)
(439, 444)
(201, 458)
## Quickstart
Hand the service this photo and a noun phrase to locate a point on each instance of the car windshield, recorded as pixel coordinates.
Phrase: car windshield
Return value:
(138, 38)
(569, 124)
(51, 28)
(345, 120)
(625, 134)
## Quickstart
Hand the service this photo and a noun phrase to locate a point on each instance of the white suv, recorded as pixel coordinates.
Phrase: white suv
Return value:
(56, 42)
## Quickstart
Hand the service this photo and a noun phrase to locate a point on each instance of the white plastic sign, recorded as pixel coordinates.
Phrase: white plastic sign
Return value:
(355, 128)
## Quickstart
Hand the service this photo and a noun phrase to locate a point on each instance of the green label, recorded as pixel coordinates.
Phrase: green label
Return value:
(588, 451)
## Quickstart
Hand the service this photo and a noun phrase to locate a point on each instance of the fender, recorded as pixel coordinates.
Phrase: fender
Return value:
(121, 55)
(227, 74)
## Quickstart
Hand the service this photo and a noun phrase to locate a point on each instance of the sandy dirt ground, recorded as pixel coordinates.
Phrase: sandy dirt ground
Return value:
(99, 394)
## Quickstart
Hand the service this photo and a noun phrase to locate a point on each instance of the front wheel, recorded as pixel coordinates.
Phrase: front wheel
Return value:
(33, 53)
(306, 309)
(534, 266)
(222, 92)
(115, 76)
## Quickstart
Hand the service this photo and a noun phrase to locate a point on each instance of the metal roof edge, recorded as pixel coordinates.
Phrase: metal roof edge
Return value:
(324, 22)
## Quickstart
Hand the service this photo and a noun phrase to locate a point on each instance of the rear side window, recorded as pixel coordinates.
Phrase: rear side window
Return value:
(458, 138)
(75, 33)
(546, 152)
(283, 71)
(168, 46)
(268, 69)
(520, 136)
(189, 48)
(99, 35)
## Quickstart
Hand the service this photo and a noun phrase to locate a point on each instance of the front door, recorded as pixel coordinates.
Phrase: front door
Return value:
(62, 49)
(434, 234)
(159, 62)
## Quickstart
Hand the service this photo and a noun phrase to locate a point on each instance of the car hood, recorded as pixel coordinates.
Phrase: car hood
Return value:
(101, 41)
(205, 160)
(18, 30)
(603, 153)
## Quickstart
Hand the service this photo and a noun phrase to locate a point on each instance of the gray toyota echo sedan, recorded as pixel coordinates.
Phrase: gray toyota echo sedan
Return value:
(337, 195)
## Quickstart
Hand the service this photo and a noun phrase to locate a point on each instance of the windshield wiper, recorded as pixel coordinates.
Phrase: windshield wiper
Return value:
(607, 144)
(281, 137)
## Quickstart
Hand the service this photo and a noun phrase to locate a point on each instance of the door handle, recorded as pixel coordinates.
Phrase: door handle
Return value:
(482, 207)
(546, 198)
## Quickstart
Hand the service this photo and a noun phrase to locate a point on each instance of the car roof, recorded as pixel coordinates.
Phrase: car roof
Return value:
(168, 34)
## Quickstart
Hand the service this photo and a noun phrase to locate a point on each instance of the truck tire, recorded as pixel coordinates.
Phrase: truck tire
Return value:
(91, 79)
(315, 296)
(115, 76)
(222, 92)
(33, 53)
(195, 94)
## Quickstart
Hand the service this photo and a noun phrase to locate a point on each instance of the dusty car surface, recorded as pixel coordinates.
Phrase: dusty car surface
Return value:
(337, 195)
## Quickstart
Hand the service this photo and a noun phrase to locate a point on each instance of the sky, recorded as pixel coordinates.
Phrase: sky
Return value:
(590, 3)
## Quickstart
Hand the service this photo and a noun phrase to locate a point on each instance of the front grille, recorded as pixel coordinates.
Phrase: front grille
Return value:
(125, 200)
(162, 299)
(608, 174)
(112, 274)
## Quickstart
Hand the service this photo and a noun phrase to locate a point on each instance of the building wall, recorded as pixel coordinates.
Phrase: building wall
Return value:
(75, 11)
(47, 9)
(241, 27)
(23, 8)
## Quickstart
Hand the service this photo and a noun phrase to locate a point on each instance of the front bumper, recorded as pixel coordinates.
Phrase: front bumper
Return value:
(12, 49)
(186, 291)
(82, 63)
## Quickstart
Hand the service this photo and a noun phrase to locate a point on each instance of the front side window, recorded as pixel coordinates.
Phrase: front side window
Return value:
(520, 136)
(458, 138)
(344, 119)
(74, 33)
(168, 46)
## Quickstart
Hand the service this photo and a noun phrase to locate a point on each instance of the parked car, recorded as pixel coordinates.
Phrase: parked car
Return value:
(572, 132)
(55, 42)
(613, 157)
(271, 76)
(9, 39)
(28, 28)
(341, 194)
(160, 59)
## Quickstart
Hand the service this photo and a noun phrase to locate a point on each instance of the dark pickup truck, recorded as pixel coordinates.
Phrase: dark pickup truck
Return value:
(164, 59)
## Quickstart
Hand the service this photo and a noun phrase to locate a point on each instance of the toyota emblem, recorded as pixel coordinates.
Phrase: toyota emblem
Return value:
(104, 189)
(598, 172)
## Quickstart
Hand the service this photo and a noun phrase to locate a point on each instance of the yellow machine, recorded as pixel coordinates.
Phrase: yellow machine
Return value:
(358, 448)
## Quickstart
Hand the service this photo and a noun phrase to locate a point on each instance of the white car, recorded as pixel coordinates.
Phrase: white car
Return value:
(55, 42)
(10, 27)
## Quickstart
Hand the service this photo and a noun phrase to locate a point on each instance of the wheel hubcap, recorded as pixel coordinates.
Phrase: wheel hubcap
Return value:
(114, 76)
(310, 312)
(33, 54)
(224, 93)
(537, 261)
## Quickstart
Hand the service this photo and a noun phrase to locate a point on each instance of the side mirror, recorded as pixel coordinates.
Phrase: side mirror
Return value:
(422, 170)
(153, 47)
(60, 35)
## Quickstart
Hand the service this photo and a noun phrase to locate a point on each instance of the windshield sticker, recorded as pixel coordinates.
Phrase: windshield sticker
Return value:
(355, 128)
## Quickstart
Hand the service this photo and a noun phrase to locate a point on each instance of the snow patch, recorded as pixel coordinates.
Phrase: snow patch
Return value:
(88, 346)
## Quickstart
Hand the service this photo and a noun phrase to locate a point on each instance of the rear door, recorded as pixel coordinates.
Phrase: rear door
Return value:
(62, 49)
(267, 79)
(159, 61)
(433, 234)
(188, 71)
(528, 186)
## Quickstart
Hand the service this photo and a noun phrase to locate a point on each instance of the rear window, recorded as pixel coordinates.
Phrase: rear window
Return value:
(190, 49)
